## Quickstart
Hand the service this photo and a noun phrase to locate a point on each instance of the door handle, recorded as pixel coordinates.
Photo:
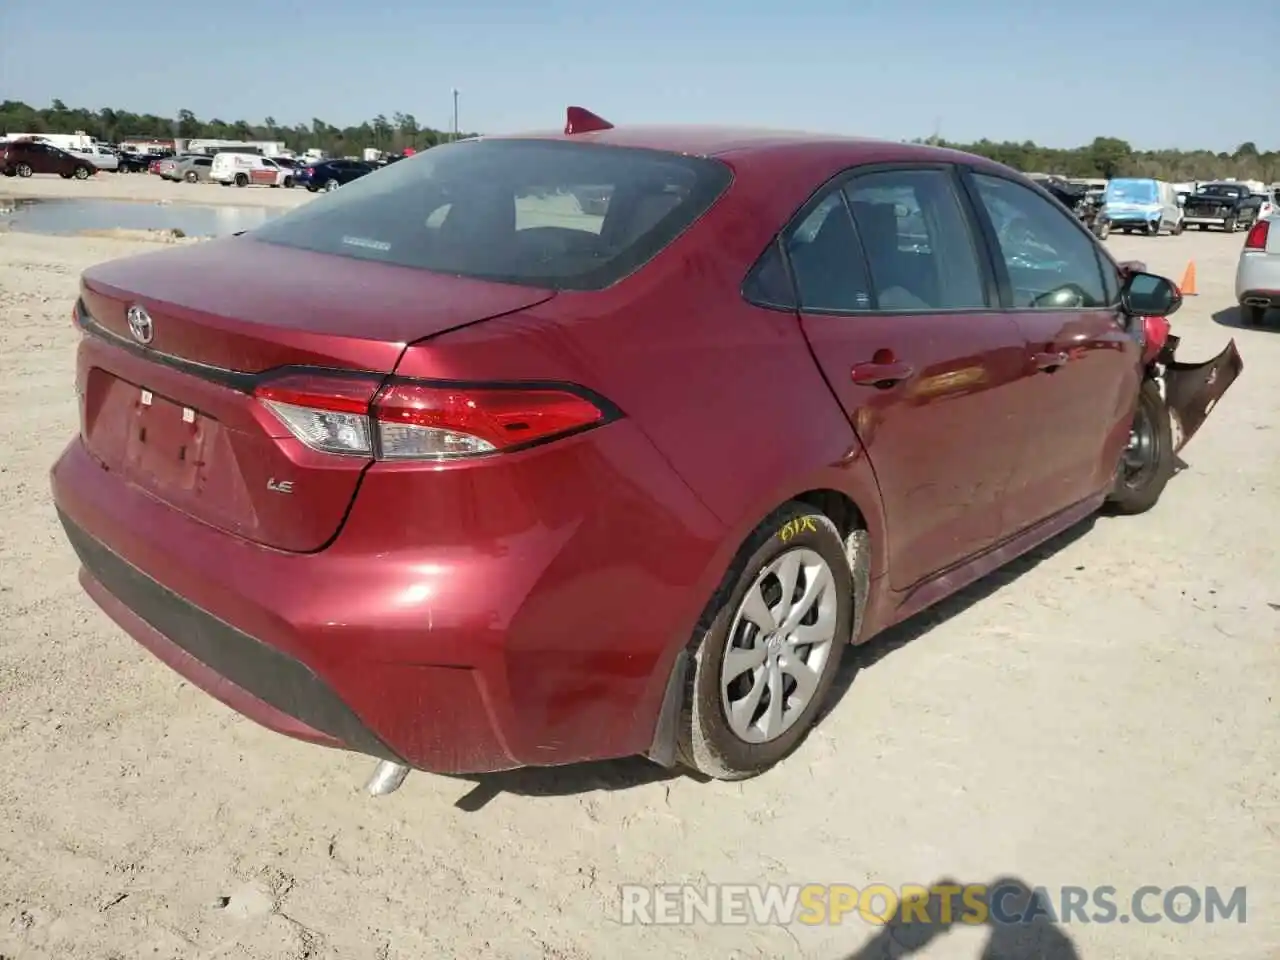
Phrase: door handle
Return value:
(881, 375)
(1049, 362)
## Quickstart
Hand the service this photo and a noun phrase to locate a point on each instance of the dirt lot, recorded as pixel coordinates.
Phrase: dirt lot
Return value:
(1101, 714)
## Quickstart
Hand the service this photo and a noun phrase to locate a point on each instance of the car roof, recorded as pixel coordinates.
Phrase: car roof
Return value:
(741, 142)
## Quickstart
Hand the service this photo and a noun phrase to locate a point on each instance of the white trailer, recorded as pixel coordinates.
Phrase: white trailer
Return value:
(71, 142)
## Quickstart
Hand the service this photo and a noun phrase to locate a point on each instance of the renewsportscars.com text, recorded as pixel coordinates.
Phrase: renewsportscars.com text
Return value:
(944, 904)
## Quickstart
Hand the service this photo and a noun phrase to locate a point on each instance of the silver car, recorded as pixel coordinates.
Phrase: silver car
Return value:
(1258, 272)
(193, 168)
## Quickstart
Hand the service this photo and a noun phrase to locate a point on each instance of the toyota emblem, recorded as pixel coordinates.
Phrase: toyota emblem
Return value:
(140, 324)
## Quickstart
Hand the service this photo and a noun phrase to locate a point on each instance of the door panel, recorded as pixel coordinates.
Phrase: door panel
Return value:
(920, 368)
(1084, 369)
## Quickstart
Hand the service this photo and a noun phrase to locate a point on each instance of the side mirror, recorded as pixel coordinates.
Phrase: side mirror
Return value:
(1147, 295)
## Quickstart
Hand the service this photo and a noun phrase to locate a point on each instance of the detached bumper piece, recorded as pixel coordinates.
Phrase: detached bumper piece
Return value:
(278, 680)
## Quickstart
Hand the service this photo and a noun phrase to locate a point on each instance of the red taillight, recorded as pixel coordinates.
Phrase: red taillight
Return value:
(417, 421)
(335, 394)
(412, 420)
(1257, 238)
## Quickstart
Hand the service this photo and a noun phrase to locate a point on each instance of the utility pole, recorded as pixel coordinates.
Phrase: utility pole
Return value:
(456, 129)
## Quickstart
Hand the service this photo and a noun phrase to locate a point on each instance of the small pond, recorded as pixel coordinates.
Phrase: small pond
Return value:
(74, 216)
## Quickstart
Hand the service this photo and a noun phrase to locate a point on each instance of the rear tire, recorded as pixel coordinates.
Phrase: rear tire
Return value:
(1230, 225)
(1147, 463)
(191, 176)
(23, 169)
(771, 662)
(1203, 226)
(241, 180)
(331, 185)
(1178, 228)
(1253, 315)
(1153, 229)
(80, 173)
(1102, 230)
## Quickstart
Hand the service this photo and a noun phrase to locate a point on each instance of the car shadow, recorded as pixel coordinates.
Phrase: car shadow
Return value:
(859, 658)
(626, 773)
(1017, 933)
(568, 780)
(1231, 317)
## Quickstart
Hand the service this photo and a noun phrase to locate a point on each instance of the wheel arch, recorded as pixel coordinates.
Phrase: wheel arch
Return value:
(852, 507)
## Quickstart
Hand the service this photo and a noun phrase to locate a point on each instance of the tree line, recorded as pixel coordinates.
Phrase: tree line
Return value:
(391, 134)
(1104, 157)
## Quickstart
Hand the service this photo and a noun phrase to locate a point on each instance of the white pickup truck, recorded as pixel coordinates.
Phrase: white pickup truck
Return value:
(98, 155)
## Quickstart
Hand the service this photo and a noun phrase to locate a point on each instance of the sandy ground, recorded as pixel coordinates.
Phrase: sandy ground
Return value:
(1100, 714)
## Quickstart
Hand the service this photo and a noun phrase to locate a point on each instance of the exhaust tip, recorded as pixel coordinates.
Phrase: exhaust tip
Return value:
(387, 777)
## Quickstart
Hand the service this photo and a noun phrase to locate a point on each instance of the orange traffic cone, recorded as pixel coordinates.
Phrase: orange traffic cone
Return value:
(1188, 285)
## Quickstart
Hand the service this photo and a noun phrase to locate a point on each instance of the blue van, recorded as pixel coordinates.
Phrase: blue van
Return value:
(1138, 203)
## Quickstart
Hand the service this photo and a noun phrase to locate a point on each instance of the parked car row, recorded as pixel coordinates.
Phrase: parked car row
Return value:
(244, 169)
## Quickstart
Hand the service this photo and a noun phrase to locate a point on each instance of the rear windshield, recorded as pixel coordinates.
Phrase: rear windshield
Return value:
(544, 213)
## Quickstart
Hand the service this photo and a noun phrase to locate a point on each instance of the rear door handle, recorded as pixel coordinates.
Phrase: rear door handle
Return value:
(1049, 362)
(881, 375)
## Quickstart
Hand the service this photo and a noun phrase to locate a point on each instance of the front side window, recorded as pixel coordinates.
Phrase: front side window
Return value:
(918, 241)
(567, 216)
(1051, 262)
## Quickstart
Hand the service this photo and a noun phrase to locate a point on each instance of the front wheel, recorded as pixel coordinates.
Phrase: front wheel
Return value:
(1178, 228)
(191, 176)
(1230, 225)
(1153, 229)
(331, 185)
(241, 180)
(1102, 229)
(768, 646)
(1147, 462)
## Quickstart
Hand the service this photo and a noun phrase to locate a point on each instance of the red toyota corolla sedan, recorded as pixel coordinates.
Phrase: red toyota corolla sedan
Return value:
(459, 470)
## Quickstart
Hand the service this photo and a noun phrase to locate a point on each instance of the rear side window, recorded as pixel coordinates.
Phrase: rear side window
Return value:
(567, 216)
(918, 241)
(826, 260)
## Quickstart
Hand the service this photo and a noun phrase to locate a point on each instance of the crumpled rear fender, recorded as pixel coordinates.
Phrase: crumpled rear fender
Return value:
(1191, 390)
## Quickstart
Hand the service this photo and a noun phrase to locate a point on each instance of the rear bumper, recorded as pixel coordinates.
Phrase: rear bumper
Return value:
(252, 678)
(1131, 219)
(1258, 277)
(540, 629)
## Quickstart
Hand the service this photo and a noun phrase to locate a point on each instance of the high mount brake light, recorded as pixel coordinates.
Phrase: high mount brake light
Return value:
(1257, 237)
(357, 415)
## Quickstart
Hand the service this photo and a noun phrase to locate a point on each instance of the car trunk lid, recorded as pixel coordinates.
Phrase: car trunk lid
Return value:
(176, 416)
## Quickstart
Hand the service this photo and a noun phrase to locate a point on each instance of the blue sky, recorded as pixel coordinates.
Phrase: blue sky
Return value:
(1054, 72)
